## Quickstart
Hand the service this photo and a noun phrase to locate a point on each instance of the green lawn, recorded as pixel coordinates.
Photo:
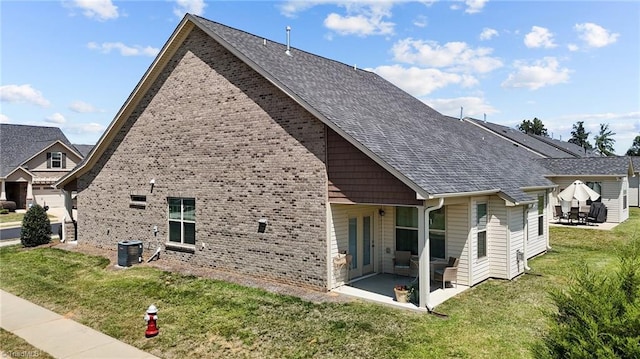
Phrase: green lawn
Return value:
(207, 318)
(16, 217)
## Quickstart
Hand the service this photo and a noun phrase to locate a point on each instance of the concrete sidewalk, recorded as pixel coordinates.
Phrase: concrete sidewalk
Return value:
(57, 335)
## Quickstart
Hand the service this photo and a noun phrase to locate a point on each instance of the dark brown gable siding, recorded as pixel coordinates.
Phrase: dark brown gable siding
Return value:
(356, 178)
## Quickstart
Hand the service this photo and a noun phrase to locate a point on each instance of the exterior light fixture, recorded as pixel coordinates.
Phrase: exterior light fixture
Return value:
(262, 225)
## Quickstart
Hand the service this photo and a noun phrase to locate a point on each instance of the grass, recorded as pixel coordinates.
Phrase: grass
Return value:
(12, 346)
(207, 318)
(16, 217)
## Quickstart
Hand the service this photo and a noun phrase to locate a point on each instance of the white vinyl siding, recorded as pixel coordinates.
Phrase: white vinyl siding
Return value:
(516, 240)
(383, 237)
(497, 231)
(458, 239)
(634, 184)
(536, 244)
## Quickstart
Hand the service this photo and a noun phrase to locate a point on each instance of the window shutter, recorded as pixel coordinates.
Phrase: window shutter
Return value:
(64, 160)
(48, 159)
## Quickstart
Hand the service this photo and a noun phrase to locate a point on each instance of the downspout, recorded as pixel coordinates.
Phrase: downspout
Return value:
(424, 267)
(526, 236)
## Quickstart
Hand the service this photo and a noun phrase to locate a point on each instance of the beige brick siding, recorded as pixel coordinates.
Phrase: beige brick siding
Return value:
(213, 129)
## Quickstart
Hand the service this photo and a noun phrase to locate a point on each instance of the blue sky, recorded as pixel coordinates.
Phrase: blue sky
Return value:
(73, 63)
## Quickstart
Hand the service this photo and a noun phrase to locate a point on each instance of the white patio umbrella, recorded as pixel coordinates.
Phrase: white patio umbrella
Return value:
(578, 191)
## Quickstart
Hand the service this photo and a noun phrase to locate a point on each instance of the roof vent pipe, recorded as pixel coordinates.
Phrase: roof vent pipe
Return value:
(485, 118)
(461, 109)
(288, 52)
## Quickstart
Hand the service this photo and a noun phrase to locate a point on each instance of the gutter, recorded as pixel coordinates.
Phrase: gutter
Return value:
(423, 263)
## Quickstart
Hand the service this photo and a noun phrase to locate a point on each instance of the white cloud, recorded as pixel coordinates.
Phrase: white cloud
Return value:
(539, 37)
(85, 128)
(595, 35)
(22, 94)
(541, 73)
(4, 118)
(82, 107)
(573, 47)
(420, 21)
(55, 118)
(457, 56)
(291, 8)
(99, 9)
(474, 6)
(124, 50)
(488, 33)
(362, 19)
(419, 82)
(475, 107)
(195, 7)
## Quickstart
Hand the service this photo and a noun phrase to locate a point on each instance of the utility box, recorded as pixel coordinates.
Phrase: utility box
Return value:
(129, 252)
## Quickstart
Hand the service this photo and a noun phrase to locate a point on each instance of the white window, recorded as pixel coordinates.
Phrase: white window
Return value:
(481, 228)
(56, 160)
(182, 220)
(437, 232)
(540, 215)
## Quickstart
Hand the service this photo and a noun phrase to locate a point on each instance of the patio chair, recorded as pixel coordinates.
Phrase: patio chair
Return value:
(402, 263)
(448, 273)
(574, 214)
(558, 213)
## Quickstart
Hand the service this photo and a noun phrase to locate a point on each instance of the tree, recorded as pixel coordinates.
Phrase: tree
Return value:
(36, 228)
(535, 127)
(598, 315)
(634, 150)
(580, 136)
(604, 141)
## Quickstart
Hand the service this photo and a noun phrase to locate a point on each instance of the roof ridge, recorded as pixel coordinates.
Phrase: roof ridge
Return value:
(283, 45)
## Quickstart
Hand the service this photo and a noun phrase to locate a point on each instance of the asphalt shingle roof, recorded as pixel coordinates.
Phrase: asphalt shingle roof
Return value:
(588, 166)
(546, 146)
(18, 143)
(83, 149)
(572, 148)
(439, 154)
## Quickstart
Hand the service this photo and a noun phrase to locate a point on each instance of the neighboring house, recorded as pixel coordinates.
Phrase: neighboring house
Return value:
(32, 159)
(542, 146)
(239, 153)
(634, 183)
(609, 176)
(569, 162)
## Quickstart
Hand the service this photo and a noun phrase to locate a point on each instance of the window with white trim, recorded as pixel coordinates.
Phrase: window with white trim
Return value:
(481, 229)
(541, 215)
(56, 160)
(437, 233)
(182, 220)
(407, 229)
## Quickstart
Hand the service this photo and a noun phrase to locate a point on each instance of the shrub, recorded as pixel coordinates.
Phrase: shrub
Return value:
(36, 228)
(9, 205)
(599, 314)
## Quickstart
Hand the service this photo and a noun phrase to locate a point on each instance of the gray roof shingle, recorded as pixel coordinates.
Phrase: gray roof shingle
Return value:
(588, 166)
(83, 149)
(18, 143)
(438, 154)
(545, 146)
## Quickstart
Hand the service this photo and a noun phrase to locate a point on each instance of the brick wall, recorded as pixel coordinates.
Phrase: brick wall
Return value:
(213, 129)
